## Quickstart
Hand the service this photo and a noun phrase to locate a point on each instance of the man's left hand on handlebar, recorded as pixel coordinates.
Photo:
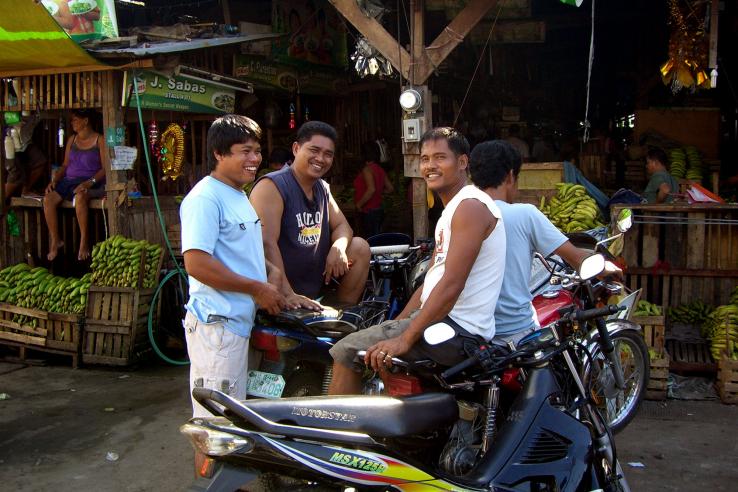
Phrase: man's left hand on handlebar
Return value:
(611, 271)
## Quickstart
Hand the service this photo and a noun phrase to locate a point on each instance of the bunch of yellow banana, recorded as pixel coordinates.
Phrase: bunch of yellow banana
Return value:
(116, 262)
(571, 209)
(722, 329)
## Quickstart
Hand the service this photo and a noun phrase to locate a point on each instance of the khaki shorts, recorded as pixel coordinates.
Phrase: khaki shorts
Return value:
(218, 360)
(446, 354)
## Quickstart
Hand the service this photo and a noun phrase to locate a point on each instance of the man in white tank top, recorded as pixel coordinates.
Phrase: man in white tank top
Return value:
(463, 282)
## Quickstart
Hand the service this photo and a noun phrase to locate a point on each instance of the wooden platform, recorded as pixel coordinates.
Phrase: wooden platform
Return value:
(96, 203)
(690, 358)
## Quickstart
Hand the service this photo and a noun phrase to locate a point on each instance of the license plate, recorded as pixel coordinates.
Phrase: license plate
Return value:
(265, 384)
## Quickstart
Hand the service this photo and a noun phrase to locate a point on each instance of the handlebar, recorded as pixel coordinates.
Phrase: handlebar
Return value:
(461, 366)
(589, 314)
(393, 249)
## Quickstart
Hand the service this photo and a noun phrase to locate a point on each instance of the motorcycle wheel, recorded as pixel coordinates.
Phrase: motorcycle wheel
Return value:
(303, 383)
(618, 407)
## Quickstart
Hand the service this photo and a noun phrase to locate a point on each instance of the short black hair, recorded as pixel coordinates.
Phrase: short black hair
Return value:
(94, 118)
(311, 128)
(228, 130)
(490, 163)
(370, 152)
(281, 155)
(457, 142)
(656, 154)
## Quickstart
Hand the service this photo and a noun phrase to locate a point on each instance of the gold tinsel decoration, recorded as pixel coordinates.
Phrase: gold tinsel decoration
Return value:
(688, 46)
(172, 152)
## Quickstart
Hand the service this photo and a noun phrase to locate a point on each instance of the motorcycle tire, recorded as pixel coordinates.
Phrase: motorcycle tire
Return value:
(619, 409)
(303, 383)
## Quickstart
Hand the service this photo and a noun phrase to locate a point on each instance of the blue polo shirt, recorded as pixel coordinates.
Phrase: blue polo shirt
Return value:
(219, 220)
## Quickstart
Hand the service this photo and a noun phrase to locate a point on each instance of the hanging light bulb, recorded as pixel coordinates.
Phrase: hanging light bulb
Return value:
(60, 133)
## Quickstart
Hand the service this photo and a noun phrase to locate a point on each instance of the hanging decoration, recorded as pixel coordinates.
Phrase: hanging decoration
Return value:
(172, 152)
(368, 61)
(687, 65)
(307, 114)
(293, 123)
(153, 135)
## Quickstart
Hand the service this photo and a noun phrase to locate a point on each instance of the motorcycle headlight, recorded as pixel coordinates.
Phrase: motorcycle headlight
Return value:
(213, 442)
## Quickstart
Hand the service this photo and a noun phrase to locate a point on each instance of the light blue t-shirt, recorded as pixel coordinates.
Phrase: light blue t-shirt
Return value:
(218, 219)
(528, 231)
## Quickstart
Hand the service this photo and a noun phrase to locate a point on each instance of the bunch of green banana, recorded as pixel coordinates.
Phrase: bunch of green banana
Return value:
(645, 308)
(37, 288)
(678, 167)
(722, 330)
(734, 296)
(571, 209)
(116, 262)
(695, 313)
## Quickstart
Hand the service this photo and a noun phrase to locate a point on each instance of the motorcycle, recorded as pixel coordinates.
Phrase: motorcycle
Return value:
(551, 438)
(290, 349)
(618, 397)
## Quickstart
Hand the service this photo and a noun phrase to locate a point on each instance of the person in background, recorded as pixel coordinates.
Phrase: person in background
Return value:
(305, 233)
(224, 258)
(495, 166)
(81, 176)
(513, 136)
(462, 285)
(369, 186)
(661, 185)
(29, 165)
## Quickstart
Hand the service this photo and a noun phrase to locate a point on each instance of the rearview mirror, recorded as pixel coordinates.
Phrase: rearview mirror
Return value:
(592, 266)
(624, 220)
(438, 333)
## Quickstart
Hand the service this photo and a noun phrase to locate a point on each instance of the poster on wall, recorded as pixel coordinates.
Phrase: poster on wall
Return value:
(178, 93)
(84, 19)
(315, 33)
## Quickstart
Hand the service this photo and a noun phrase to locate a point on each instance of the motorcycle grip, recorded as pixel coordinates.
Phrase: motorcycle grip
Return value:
(589, 314)
(385, 250)
(453, 371)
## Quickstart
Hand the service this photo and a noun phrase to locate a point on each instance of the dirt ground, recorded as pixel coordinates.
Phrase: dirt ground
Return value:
(58, 425)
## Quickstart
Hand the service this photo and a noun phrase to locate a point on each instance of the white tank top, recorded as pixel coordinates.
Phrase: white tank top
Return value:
(475, 308)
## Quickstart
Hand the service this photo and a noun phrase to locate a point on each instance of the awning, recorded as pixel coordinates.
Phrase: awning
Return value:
(148, 49)
(32, 42)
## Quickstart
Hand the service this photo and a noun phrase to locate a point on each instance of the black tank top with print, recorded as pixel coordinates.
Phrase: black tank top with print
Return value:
(305, 235)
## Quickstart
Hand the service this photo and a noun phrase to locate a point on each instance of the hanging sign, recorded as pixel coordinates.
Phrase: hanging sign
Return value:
(124, 158)
(178, 93)
(274, 75)
(84, 19)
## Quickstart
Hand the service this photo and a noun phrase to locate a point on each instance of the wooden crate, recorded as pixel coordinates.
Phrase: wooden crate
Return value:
(654, 330)
(115, 331)
(537, 180)
(727, 380)
(659, 377)
(174, 233)
(692, 357)
(52, 332)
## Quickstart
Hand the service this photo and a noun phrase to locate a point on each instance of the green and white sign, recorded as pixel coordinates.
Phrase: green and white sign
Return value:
(178, 93)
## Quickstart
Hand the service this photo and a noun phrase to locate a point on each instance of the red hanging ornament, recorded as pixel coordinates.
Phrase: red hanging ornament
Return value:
(293, 124)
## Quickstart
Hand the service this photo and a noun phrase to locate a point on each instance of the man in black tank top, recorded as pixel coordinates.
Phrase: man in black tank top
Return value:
(305, 233)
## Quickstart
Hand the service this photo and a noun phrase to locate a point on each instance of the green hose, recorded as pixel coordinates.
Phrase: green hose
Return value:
(178, 270)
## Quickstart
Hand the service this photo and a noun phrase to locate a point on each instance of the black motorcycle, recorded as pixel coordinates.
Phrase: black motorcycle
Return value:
(551, 437)
(290, 349)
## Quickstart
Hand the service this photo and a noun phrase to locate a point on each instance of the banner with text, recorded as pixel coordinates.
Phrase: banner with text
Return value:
(178, 93)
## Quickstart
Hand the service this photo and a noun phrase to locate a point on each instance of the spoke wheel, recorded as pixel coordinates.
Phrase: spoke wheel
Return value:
(618, 407)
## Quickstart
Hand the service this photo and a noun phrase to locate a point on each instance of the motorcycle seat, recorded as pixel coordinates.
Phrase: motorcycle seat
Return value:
(379, 416)
(328, 322)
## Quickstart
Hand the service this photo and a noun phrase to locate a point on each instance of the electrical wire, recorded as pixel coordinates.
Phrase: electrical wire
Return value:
(479, 61)
(585, 138)
(178, 268)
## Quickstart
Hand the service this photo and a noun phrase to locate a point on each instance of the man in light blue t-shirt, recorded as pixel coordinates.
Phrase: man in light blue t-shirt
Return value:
(528, 231)
(224, 257)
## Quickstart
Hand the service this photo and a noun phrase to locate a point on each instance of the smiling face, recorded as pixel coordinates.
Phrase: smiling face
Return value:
(79, 123)
(441, 168)
(239, 167)
(314, 157)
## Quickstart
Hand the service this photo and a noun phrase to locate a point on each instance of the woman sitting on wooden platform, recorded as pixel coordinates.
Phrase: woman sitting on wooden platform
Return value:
(82, 176)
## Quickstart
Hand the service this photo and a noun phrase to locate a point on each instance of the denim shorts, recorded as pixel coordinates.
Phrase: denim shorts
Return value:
(65, 188)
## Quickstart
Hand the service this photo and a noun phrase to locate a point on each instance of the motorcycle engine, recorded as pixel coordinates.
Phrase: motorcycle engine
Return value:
(462, 449)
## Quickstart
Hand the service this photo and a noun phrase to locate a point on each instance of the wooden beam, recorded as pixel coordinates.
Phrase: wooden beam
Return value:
(377, 35)
(454, 34)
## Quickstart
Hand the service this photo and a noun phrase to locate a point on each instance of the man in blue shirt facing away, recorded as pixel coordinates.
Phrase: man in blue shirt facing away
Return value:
(528, 231)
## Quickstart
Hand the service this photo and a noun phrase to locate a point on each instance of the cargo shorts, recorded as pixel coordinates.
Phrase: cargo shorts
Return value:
(218, 360)
(447, 354)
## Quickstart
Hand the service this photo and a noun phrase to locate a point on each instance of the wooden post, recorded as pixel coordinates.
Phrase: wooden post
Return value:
(411, 154)
(114, 180)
